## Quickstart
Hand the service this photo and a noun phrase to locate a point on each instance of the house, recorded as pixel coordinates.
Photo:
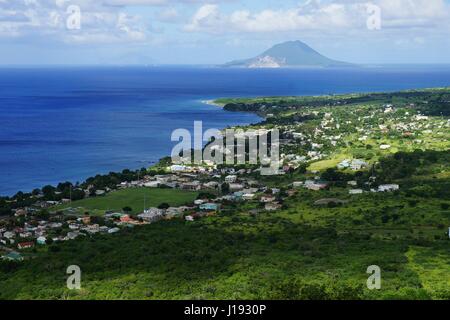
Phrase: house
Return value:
(236, 187)
(209, 207)
(113, 230)
(272, 206)
(13, 256)
(86, 220)
(352, 183)
(297, 184)
(267, 199)
(344, 164)
(193, 186)
(315, 186)
(104, 229)
(173, 212)
(211, 185)
(235, 197)
(355, 191)
(152, 215)
(248, 196)
(99, 193)
(72, 235)
(178, 168)
(189, 218)
(388, 187)
(151, 184)
(250, 190)
(25, 234)
(230, 179)
(92, 229)
(25, 245)
(358, 164)
(41, 240)
(20, 213)
(73, 226)
(385, 146)
(125, 218)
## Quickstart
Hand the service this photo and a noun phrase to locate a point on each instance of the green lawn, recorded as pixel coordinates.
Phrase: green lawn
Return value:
(134, 198)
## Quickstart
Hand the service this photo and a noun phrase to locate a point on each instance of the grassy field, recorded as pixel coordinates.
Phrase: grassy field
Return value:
(133, 198)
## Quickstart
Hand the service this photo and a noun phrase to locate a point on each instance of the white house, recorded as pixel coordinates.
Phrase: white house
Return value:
(236, 187)
(113, 230)
(267, 199)
(248, 196)
(388, 187)
(9, 235)
(230, 179)
(358, 164)
(178, 168)
(355, 191)
(297, 184)
(41, 240)
(152, 215)
(151, 184)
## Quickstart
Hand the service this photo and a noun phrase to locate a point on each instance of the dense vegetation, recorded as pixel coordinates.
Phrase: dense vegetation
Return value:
(433, 102)
(302, 252)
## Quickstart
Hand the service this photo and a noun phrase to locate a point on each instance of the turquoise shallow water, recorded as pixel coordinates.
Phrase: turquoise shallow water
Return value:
(59, 124)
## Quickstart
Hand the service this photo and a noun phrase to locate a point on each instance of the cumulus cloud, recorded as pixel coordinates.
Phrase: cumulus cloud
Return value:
(110, 21)
(319, 16)
(49, 18)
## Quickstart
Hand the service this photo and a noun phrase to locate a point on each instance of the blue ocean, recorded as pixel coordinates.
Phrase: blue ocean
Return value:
(66, 124)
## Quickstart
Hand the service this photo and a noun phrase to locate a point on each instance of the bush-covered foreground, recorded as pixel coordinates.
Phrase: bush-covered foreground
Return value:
(302, 252)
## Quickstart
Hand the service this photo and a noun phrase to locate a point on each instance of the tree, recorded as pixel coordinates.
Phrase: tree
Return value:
(127, 210)
(164, 206)
(225, 188)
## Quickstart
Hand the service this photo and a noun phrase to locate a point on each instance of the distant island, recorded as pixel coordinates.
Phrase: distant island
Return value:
(288, 54)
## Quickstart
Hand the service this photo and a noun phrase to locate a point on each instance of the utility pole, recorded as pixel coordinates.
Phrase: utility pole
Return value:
(145, 203)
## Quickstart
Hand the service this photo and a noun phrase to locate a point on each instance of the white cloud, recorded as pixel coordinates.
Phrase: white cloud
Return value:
(48, 18)
(319, 16)
(169, 15)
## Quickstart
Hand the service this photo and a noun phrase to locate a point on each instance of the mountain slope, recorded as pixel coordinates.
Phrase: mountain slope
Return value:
(288, 54)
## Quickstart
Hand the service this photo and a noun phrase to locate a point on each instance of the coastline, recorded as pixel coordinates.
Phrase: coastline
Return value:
(212, 102)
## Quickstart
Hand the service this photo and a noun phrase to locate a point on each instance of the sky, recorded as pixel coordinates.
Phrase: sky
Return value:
(121, 32)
